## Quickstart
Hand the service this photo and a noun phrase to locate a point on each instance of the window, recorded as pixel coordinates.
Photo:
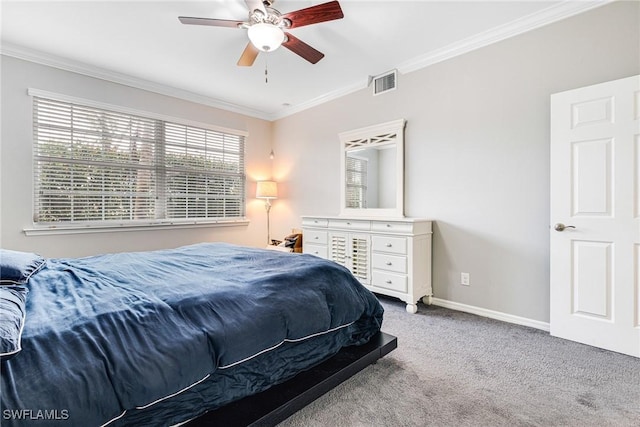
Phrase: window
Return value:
(96, 166)
(356, 175)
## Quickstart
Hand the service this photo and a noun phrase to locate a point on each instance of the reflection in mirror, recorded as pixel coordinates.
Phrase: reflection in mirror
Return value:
(370, 178)
(372, 170)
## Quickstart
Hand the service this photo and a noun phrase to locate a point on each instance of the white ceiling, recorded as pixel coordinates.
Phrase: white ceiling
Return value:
(143, 43)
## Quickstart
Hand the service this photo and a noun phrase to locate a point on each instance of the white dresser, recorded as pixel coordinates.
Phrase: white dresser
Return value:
(389, 256)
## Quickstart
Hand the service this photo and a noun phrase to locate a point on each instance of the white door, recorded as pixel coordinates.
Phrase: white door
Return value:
(595, 211)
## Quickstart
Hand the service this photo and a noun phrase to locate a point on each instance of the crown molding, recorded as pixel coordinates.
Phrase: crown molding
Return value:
(38, 57)
(329, 96)
(530, 22)
(527, 23)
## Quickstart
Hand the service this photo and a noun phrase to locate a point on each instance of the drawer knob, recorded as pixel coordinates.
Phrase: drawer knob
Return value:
(389, 245)
(316, 237)
(388, 225)
(389, 282)
(388, 262)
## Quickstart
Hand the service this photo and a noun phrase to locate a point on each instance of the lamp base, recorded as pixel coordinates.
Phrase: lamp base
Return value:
(267, 206)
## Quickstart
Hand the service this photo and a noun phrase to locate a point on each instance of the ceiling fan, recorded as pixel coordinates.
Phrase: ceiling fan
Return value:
(267, 27)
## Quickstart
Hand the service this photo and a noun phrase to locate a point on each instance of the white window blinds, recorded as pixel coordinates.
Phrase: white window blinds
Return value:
(356, 185)
(94, 165)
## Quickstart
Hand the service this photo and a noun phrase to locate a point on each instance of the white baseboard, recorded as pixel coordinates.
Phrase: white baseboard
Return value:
(491, 314)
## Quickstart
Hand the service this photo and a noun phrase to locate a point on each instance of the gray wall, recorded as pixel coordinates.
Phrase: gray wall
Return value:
(16, 163)
(477, 152)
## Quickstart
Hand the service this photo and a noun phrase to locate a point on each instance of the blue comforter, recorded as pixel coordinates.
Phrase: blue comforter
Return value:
(111, 338)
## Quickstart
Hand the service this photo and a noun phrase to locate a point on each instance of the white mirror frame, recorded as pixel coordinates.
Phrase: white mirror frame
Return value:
(376, 135)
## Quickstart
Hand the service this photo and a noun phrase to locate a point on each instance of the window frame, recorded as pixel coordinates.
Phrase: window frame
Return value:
(88, 226)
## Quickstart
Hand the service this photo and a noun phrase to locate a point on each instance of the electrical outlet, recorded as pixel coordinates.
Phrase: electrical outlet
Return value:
(464, 279)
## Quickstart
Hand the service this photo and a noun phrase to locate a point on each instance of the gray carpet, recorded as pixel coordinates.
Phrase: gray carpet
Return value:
(458, 369)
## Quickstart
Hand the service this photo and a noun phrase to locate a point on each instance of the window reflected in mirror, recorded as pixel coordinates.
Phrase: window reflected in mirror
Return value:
(370, 178)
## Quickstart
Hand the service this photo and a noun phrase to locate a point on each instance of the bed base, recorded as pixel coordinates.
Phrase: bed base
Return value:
(274, 405)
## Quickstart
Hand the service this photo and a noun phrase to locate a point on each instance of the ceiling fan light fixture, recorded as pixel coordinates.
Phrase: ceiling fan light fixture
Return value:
(266, 37)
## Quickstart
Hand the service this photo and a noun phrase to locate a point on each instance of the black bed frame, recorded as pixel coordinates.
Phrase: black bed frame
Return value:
(279, 402)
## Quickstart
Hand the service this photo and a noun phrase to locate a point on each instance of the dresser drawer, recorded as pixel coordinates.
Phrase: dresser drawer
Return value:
(314, 237)
(394, 282)
(348, 224)
(387, 262)
(392, 226)
(315, 222)
(394, 245)
(317, 250)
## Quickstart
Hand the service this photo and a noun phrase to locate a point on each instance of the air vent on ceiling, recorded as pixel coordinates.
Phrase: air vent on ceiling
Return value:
(385, 82)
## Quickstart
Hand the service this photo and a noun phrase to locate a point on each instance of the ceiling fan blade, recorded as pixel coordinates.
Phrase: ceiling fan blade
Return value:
(255, 4)
(299, 47)
(211, 22)
(248, 56)
(314, 14)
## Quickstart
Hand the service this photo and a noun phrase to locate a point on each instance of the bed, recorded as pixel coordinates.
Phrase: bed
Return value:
(161, 337)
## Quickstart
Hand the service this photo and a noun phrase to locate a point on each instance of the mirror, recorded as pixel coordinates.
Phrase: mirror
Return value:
(367, 184)
(372, 171)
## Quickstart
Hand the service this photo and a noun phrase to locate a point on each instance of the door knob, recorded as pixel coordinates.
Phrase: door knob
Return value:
(561, 227)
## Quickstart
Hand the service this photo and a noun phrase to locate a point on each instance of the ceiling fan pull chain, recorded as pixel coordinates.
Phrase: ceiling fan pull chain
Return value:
(266, 72)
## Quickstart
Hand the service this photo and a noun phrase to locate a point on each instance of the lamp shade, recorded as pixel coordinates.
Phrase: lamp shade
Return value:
(267, 190)
(265, 37)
